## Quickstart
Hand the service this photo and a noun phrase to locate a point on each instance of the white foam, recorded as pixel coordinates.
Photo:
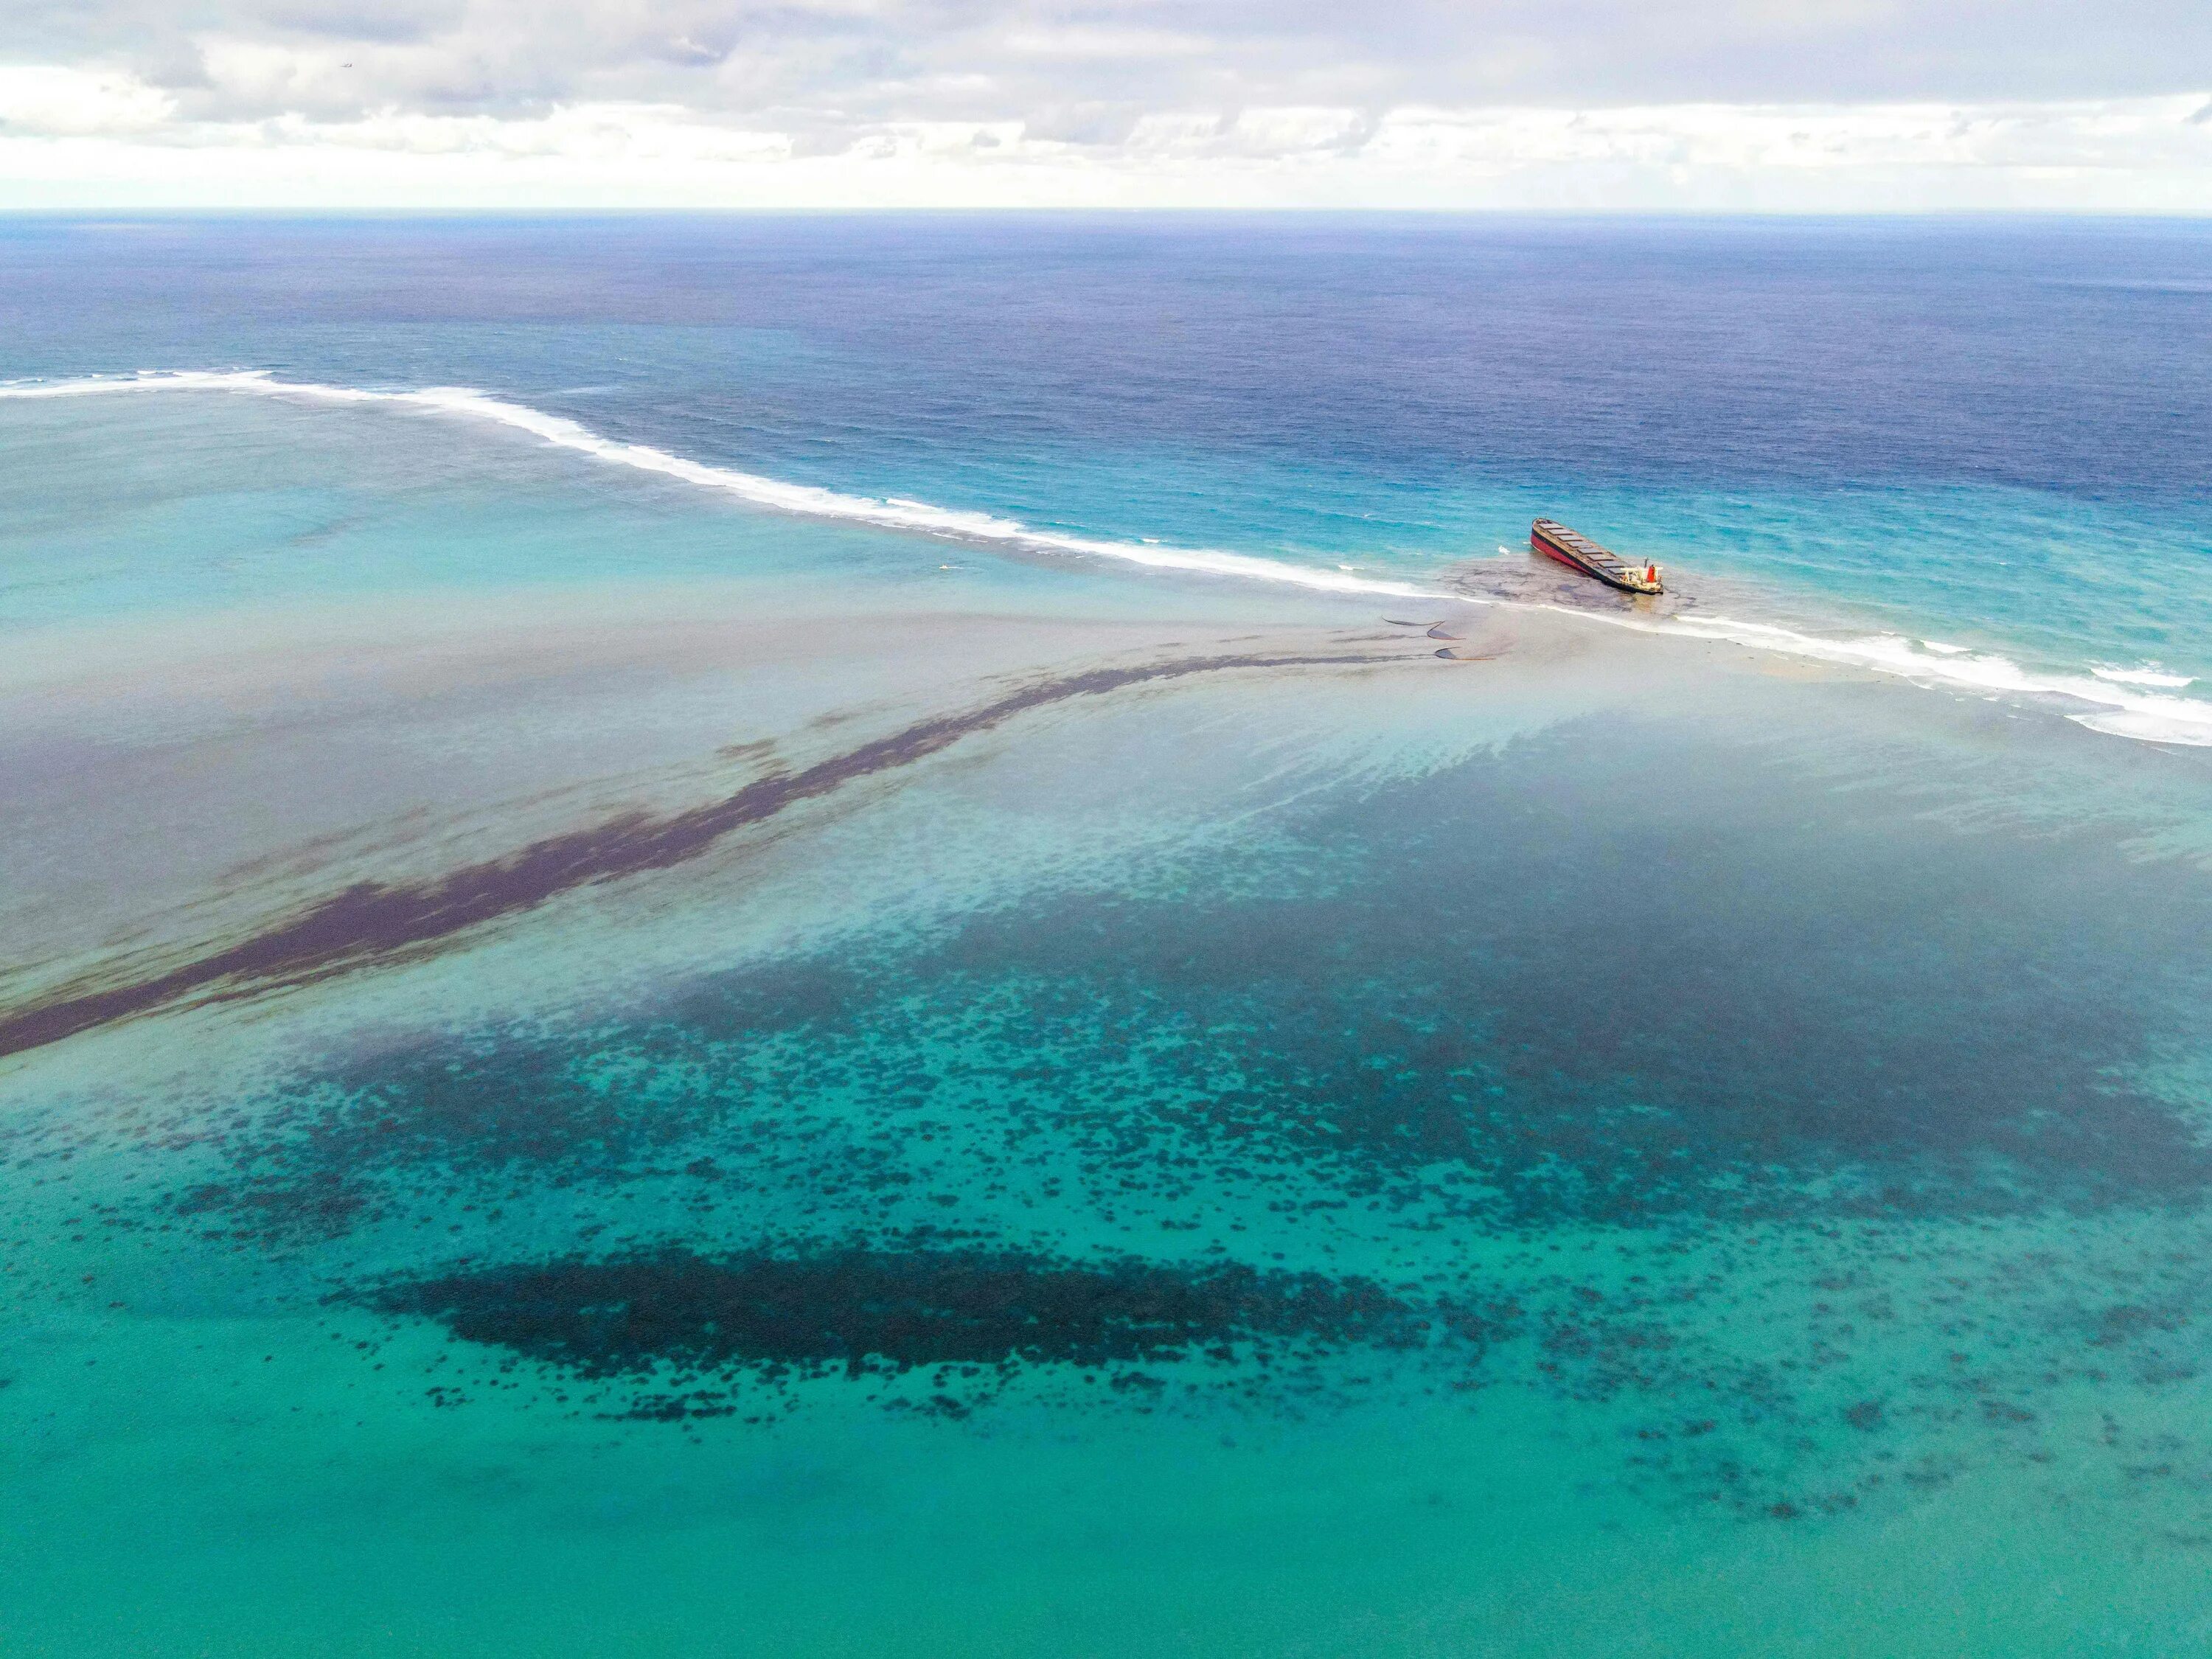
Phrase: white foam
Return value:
(2145, 675)
(2152, 726)
(807, 500)
(2116, 709)
(2115, 705)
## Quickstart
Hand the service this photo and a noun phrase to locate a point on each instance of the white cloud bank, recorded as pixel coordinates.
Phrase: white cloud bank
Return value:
(68, 139)
(1760, 105)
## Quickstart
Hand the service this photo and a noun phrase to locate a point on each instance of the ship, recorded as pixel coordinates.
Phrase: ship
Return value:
(1578, 552)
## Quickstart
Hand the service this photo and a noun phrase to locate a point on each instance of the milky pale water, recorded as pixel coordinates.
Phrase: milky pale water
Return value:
(829, 966)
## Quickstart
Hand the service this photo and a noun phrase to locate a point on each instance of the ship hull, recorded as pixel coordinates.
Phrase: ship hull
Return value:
(1597, 562)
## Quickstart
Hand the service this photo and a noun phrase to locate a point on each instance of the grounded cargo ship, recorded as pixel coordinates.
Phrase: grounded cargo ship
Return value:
(1578, 551)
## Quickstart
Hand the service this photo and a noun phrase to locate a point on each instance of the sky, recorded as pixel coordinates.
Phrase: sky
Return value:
(1791, 106)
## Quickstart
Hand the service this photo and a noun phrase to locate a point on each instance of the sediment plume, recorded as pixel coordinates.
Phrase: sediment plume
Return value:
(373, 922)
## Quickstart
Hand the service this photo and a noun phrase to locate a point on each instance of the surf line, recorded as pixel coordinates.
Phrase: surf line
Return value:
(2118, 704)
(2104, 700)
(809, 501)
(2097, 702)
(373, 923)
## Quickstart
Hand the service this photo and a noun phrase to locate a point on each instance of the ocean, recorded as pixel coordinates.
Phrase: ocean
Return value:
(919, 934)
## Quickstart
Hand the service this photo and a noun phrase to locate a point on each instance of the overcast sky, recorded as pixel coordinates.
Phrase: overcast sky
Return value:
(1806, 105)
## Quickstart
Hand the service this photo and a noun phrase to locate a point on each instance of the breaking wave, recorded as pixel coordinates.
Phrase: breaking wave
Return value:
(809, 501)
(2129, 702)
(2149, 676)
(2113, 704)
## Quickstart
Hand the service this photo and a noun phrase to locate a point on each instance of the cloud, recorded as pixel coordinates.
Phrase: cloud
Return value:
(998, 59)
(1424, 102)
(67, 102)
(116, 147)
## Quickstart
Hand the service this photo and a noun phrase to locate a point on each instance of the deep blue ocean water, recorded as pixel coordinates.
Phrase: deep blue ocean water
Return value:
(1987, 432)
(604, 1054)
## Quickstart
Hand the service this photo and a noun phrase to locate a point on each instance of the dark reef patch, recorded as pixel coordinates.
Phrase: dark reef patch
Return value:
(857, 1310)
(1667, 1117)
(373, 921)
(1611, 1012)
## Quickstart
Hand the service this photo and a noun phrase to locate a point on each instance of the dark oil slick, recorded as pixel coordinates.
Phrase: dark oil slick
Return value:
(379, 922)
(1240, 1139)
(1626, 1151)
(1825, 1065)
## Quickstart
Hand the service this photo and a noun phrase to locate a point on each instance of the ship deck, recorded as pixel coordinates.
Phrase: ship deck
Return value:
(1600, 561)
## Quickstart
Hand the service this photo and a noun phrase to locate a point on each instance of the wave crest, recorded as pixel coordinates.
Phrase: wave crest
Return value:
(2124, 702)
(808, 501)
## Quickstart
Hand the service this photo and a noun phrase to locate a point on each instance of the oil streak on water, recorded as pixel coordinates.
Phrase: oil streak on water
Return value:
(596, 1069)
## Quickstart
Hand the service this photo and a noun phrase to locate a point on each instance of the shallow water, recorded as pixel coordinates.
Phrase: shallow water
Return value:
(689, 1077)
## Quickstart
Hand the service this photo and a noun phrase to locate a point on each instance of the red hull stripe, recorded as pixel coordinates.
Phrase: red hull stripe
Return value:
(1619, 574)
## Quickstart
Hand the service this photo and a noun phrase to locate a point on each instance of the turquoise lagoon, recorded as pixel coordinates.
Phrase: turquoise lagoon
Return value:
(807, 1081)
